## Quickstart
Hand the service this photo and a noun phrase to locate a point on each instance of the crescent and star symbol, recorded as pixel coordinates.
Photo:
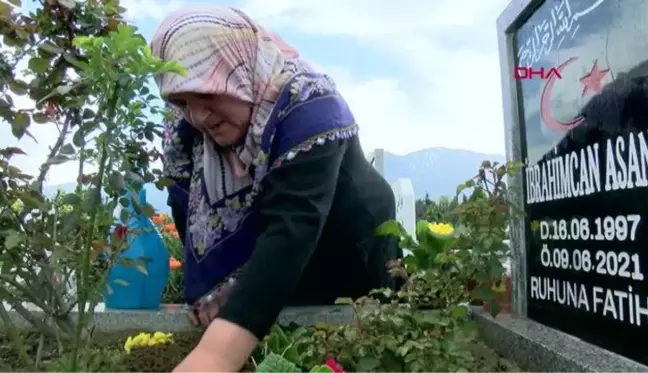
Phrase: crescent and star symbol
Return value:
(591, 83)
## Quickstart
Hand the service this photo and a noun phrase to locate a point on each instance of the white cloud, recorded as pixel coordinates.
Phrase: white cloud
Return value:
(142, 9)
(371, 18)
(452, 107)
(450, 46)
(442, 41)
(382, 107)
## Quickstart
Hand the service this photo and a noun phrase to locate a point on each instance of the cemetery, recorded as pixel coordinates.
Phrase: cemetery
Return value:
(538, 267)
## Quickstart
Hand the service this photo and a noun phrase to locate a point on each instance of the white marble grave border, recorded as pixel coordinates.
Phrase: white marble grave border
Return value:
(531, 345)
(512, 133)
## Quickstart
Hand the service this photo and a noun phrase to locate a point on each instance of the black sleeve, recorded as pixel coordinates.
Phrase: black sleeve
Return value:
(178, 201)
(179, 216)
(294, 208)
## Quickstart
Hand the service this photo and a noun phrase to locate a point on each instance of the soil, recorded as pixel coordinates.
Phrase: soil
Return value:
(108, 355)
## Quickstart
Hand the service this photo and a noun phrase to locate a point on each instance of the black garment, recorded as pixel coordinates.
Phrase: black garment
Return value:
(319, 213)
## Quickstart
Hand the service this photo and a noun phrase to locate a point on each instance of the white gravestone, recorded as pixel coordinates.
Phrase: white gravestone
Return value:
(403, 192)
(405, 205)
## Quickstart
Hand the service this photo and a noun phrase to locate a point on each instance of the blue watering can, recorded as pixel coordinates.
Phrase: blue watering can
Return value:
(139, 286)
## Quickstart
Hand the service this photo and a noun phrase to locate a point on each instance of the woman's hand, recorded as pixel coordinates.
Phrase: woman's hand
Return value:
(201, 359)
(204, 313)
(206, 308)
(225, 347)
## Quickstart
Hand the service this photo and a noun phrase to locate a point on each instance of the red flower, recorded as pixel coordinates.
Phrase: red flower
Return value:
(331, 363)
(121, 231)
(50, 108)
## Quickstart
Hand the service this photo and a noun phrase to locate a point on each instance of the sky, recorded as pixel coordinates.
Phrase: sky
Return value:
(416, 73)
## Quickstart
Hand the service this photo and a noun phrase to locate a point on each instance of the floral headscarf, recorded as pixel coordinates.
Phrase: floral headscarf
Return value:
(225, 52)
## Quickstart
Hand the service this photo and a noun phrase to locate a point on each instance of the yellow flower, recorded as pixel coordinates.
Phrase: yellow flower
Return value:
(146, 340)
(499, 288)
(443, 229)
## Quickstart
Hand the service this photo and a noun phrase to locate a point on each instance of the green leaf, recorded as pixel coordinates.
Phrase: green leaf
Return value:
(124, 215)
(88, 114)
(424, 258)
(50, 47)
(71, 199)
(5, 10)
(38, 65)
(459, 312)
(367, 364)
(60, 90)
(70, 221)
(117, 181)
(321, 368)
(18, 87)
(344, 301)
(6, 102)
(40, 118)
(32, 199)
(425, 237)
(496, 269)
(494, 308)
(484, 293)
(163, 182)
(291, 354)
(57, 159)
(92, 199)
(123, 201)
(12, 239)
(411, 263)
(148, 210)
(274, 363)
(22, 119)
(140, 267)
(391, 228)
(67, 149)
(58, 253)
(431, 318)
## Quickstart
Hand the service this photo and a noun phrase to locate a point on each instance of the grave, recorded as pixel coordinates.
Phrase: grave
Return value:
(173, 317)
(403, 193)
(579, 294)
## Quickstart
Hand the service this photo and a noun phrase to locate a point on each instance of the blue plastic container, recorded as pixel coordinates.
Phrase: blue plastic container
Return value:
(131, 288)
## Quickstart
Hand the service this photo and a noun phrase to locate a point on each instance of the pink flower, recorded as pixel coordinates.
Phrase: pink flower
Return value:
(331, 363)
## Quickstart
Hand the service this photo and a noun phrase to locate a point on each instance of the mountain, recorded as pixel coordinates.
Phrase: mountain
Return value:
(435, 171)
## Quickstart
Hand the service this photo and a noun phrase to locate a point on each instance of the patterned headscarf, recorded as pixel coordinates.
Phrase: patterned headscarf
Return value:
(225, 52)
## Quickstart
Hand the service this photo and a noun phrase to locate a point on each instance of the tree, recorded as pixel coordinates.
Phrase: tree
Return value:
(87, 73)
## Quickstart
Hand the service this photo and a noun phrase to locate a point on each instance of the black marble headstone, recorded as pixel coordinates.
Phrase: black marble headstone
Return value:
(585, 138)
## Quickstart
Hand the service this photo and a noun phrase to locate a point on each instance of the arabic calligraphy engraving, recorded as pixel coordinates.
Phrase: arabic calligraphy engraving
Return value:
(551, 32)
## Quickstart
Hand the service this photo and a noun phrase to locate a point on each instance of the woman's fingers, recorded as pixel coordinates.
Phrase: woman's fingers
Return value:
(194, 318)
(206, 309)
(212, 313)
(204, 317)
(207, 314)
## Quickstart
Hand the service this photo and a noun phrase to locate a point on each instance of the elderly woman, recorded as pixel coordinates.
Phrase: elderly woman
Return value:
(274, 200)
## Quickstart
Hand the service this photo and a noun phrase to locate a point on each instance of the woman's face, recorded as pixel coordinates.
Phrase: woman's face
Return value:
(224, 118)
